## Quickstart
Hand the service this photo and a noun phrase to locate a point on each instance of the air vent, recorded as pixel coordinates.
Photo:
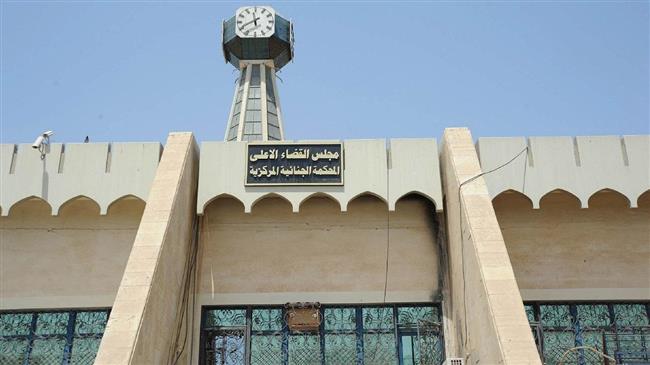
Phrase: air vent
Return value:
(454, 361)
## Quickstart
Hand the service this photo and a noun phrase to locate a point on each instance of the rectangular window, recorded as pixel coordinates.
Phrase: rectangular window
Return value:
(51, 337)
(591, 333)
(386, 334)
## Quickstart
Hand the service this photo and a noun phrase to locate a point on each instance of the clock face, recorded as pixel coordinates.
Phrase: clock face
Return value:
(255, 22)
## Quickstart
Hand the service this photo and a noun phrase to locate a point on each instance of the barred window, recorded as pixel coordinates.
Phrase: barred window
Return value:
(591, 333)
(387, 334)
(51, 337)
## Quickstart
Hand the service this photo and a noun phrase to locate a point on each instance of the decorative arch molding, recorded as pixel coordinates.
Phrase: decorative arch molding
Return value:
(344, 208)
(293, 205)
(519, 195)
(294, 198)
(393, 203)
(580, 202)
(57, 209)
(319, 195)
(56, 203)
(23, 200)
(218, 197)
(407, 165)
(643, 200)
(580, 165)
(631, 199)
(120, 199)
(103, 172)
(105, 204)
(614, 192)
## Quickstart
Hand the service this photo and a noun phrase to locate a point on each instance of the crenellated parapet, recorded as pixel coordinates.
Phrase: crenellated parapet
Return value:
(103, 172)
(581, 166)
(390, 172)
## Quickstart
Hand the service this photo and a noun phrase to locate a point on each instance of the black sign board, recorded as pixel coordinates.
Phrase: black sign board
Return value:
(294, 164)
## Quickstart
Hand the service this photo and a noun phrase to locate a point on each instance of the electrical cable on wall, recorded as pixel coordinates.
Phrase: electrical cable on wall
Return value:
(189, 289)
(387, 228)
(194, 279)
(387, 253)
(460, 220)
(383, 312)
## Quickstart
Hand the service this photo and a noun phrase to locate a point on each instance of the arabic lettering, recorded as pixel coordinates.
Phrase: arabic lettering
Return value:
(325, 155)
(295, 164)
(296, 154)
(264, 155)
(269, 171)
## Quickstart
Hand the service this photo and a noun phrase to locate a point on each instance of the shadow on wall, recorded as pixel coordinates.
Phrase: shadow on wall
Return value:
(321, 249)
(563, 246)
(605, 198)
(74, 259)
(39, 205)
(78, 211)
(319, 195)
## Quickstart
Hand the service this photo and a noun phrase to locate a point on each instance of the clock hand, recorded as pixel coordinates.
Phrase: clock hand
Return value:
(252, 21)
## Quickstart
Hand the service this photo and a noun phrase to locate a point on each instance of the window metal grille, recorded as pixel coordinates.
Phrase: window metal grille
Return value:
(388, 334)
(52, 337)
(581, 333)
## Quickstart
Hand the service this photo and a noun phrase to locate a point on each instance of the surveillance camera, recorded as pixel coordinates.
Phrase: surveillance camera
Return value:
(38, 142)
(43, 138)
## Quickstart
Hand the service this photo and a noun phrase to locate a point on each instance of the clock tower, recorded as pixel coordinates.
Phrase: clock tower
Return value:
(258, 42)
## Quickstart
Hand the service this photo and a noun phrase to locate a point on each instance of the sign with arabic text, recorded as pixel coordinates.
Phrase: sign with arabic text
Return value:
(294, 164)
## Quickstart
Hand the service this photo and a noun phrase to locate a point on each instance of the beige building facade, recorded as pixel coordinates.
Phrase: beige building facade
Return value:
(260, 250)
(488, 266)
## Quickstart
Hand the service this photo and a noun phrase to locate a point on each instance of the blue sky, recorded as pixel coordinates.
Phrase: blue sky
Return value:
(134, 71)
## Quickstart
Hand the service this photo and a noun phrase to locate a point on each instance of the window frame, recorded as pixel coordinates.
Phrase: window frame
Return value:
(359, 331)
(69, 336)
(577, 329)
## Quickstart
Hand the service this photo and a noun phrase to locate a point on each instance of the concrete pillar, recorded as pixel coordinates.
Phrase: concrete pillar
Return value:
(142, 324)
(486, 321)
